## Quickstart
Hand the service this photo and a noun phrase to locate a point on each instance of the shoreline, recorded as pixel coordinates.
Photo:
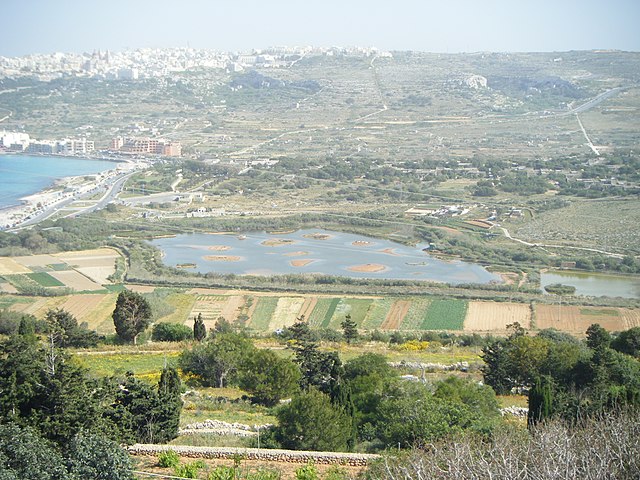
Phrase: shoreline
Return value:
(60, 189)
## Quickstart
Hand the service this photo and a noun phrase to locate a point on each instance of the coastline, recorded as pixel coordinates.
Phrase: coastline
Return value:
(62, 190)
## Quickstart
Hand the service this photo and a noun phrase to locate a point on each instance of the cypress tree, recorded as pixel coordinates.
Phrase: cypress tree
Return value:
(199, 330)
(540, 401)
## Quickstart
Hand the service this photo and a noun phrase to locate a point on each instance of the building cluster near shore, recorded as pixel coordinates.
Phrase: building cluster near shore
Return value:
(143, 63)
(146, 146)
(19, 142)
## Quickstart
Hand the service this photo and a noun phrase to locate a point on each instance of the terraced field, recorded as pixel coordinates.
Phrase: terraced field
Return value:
(269, 312)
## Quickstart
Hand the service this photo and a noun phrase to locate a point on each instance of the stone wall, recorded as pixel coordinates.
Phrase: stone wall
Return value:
(269, 455)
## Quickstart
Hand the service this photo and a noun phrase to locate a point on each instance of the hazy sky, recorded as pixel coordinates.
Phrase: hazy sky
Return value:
(46, 26)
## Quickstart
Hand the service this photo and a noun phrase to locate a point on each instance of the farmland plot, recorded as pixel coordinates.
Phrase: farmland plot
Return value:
(8, 266)
(576, 320)
(416, 314)
(308, 306)
(319, 314)
(356, 307)
(76, 281)
(377, 313)
(81, 305)
(263, 312)
(39, 306)
(213, 306)
(287, 310)
(495, 316)
(630, 318)
(396, 315)
(445, 314)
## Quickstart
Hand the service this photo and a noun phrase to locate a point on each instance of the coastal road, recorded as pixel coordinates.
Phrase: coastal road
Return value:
(110, 195)
(115, 187)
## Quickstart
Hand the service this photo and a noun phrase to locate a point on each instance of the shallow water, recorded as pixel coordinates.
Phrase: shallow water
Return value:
(316, 251)
(595, 284)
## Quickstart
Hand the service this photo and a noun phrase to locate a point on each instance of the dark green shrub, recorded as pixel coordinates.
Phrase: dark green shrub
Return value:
(171, 332)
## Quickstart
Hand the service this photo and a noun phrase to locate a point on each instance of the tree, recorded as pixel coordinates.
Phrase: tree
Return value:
(268, 377)
(25, 455)
(131, 316)
(540, 401)
(144, 414)
(216, 362)
(98, 458)
(69, 334)
(312, 422)
(199, 329)
(169, 391)
(170, 332)
(412, 416)
(628, 342)
(597, 337)
(349, 329)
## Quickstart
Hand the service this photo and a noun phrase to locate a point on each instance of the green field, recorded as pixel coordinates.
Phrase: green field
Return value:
(147, 366)
(377, 313)
(414, 318)
(45, 280)
(263, 312)
(445, 314)
(599, 312)
(332, 308)
(319, 313)
(356, 307)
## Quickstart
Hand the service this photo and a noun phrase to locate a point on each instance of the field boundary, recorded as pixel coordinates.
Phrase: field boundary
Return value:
(273, 455)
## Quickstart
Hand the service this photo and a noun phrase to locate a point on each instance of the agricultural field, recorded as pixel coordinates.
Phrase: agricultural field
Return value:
(416, 313)
(287, 310)
(358, 308)
(377, 314)
(263, 313)
(212, 307)
(494, 317)
(80, 271)
(396, 314)
(445, 314)
(576, 319)
(323, 311)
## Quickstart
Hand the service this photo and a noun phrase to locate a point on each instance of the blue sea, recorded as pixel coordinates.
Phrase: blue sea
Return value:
(22, 175)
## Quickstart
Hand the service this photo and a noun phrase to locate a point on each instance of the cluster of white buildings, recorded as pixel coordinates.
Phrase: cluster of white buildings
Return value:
(152, 62)
(22, 142)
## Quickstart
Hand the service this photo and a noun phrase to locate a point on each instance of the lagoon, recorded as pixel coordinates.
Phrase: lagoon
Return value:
(594, 284)
(315, 251)
(23, 175)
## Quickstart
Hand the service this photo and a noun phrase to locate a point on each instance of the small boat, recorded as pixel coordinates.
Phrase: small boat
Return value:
(242, 237)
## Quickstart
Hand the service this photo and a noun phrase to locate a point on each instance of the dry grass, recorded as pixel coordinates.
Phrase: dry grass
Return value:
(493, 317)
